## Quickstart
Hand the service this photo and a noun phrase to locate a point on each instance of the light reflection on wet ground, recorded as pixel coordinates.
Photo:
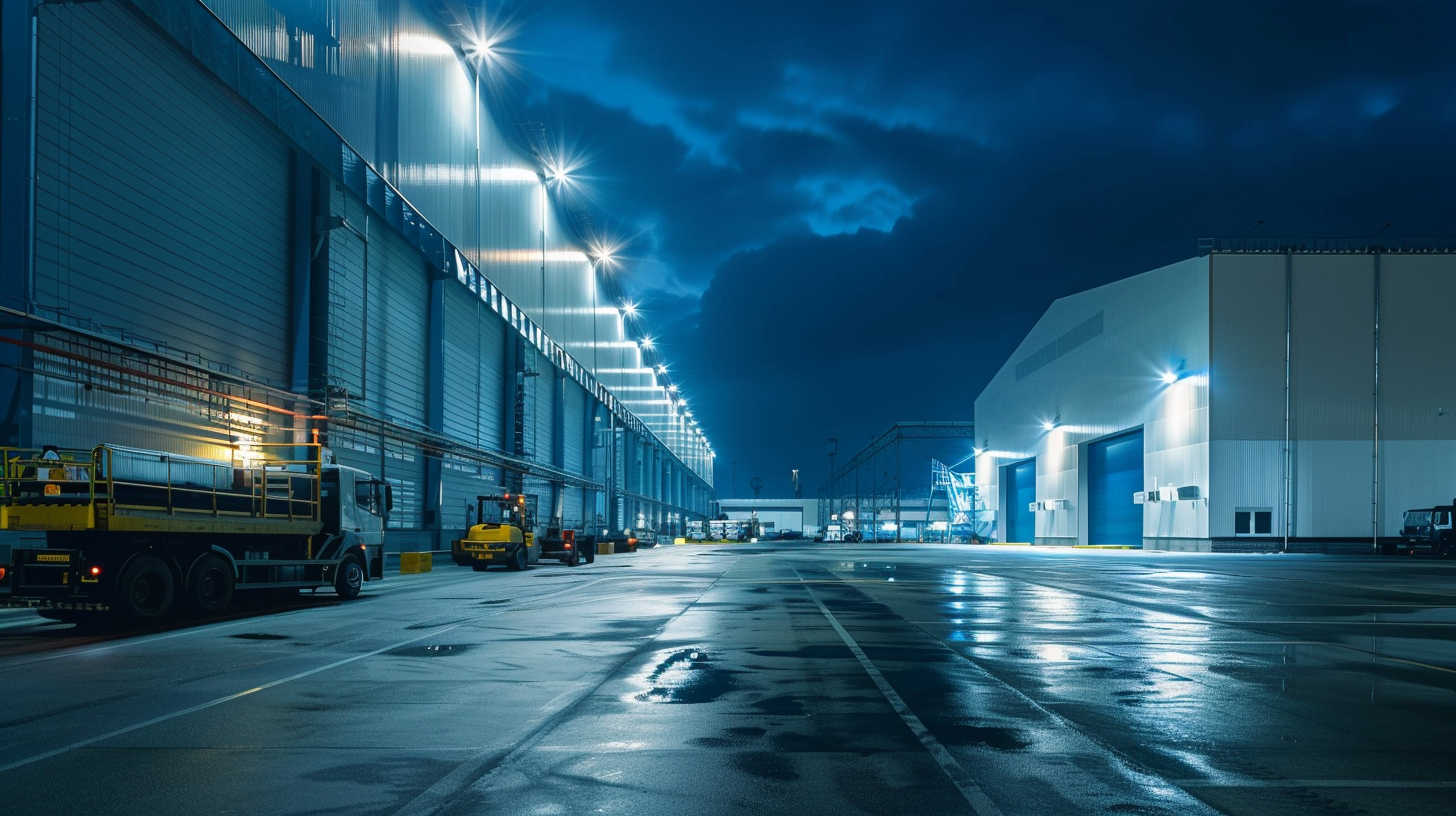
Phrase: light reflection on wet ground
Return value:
(787, 678)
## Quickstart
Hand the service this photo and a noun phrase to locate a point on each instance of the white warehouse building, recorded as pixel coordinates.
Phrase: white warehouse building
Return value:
(1237, 400)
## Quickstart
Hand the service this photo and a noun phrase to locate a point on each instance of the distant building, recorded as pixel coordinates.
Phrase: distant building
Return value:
(801, 515)
(1234, 400)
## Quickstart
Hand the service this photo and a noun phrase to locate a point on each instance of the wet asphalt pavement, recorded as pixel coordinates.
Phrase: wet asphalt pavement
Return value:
(771, 678)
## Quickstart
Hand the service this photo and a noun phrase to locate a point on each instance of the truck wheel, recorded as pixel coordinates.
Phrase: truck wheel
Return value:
(518, 561)
(210, 584)
(590, 553)
(146, 588)
(573, 559)
(349, 578)
(480, 566)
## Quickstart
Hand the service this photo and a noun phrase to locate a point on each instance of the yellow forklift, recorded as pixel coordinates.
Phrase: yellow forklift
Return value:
(512, 539)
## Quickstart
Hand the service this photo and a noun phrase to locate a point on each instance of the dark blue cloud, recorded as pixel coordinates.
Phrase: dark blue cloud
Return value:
(847, 215)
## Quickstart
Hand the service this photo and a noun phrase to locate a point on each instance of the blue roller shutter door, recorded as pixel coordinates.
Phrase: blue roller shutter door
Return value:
(1114, 473)
(1020, 493)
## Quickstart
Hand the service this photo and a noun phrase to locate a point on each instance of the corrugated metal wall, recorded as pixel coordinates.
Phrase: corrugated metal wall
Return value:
(164, 205)
(1093, 366)
(161, 201)
(390, 78)
(1418, 395)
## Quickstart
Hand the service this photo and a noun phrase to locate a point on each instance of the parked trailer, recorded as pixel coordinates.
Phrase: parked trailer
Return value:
(139, 533)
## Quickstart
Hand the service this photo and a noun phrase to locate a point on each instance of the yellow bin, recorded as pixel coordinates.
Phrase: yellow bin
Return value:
(412, 562)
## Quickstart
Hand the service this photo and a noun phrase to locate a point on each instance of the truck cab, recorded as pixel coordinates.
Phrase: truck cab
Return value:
(356, 505)
(1429, 529)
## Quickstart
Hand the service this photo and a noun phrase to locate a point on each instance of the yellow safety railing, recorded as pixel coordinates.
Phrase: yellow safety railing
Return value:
(46, 474)
(280, 488)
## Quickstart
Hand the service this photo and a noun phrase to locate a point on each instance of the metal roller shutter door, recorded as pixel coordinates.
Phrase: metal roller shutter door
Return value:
(161, 198)
(571, 508)
(398, 305)
(463, 388)
(574, 428)
(1020, 493)
(403, 467)
(490, 360)
(461, 481)
(1114, 473)
(543, 387)
(544, 498)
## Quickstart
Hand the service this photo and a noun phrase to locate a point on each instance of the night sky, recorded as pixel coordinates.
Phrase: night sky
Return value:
(845, 214)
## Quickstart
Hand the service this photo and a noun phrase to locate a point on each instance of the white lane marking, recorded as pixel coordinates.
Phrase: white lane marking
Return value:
(227, 698)
(123, 643)
(958, 776)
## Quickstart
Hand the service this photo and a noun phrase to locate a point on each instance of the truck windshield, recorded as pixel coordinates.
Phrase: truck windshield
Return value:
(1417, 518)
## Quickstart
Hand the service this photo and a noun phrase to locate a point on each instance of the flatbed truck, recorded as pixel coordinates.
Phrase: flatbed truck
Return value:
(141, 533)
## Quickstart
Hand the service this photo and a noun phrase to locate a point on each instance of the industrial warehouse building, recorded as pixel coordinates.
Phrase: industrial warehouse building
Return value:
(251, 222)
(777, 515)
(1241, 399)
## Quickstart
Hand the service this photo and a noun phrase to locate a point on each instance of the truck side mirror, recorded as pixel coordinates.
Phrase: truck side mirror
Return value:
(388, 497)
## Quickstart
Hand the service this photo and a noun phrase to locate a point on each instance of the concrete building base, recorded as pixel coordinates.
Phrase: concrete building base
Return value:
(1178, 544)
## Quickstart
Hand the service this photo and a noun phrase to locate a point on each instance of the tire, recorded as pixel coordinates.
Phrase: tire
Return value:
(519, 559)
(210, 584)
(590, 553)
(349, 578)
(480, 566)
(145, 590)
(573, 559)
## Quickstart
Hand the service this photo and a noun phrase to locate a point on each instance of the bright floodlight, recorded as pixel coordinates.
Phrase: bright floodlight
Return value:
(629, 309)
(603, 253)
(647, 342)
(1169, 377)
(480, 48)
(661, 369)
(1048, 425)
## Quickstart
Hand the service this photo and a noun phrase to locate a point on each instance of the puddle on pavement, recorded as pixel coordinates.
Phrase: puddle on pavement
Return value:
(258, 636)
(685, 676)
(432, 650)
(1002, 739)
